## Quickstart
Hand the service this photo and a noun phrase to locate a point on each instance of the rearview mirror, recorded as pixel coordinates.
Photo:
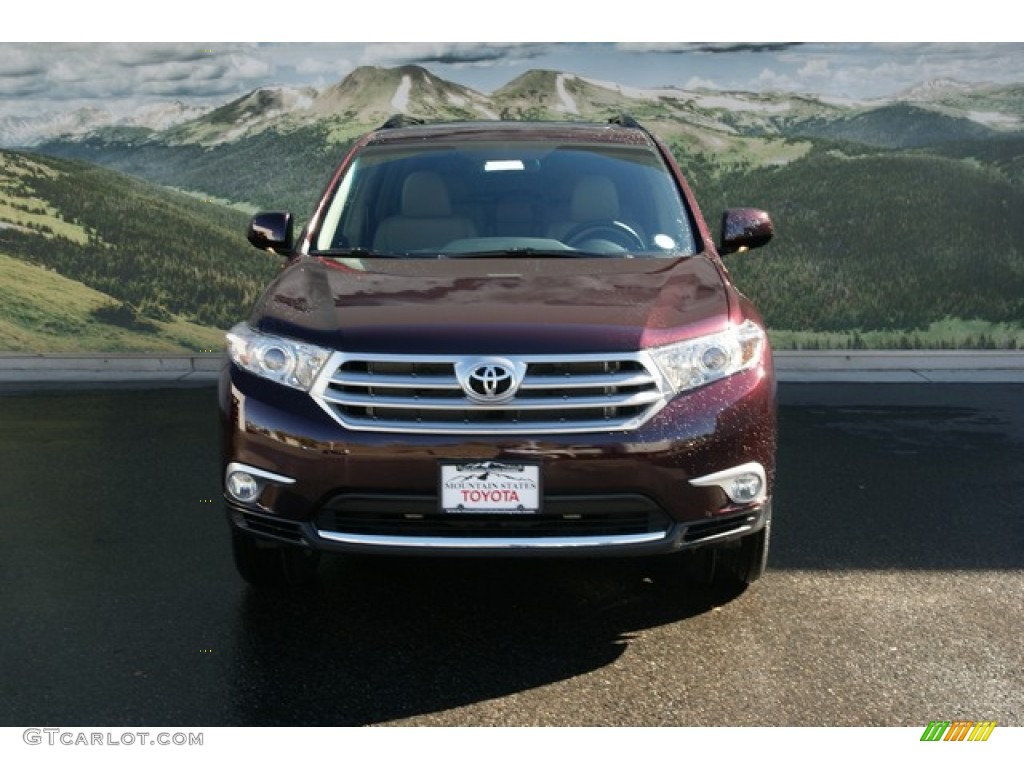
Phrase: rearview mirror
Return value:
(272, 231)
(745, 228)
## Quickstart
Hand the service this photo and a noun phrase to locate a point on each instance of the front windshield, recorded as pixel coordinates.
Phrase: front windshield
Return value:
(507, 198)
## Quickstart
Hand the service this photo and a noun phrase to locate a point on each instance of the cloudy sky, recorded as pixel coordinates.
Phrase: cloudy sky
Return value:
(39, 77)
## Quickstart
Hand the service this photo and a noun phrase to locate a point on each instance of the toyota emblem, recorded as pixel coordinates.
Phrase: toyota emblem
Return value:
(489, 380)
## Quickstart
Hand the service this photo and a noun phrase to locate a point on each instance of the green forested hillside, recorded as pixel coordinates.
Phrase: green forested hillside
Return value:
(159, 256)
(267, 170)
(877, 240)
(894, 127)
(1004, 155)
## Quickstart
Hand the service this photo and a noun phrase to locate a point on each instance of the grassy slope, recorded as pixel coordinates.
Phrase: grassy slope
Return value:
(23, 210)
(160, 251)
(40, 311)
(95, 261)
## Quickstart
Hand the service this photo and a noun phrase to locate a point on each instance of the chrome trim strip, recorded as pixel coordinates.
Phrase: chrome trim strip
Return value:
(587, 357)
(438, 542)
(465, 404)
(501, 427)
(746, 526)
(262, 474)
(589, 380)
(354, 379)
(721, 480)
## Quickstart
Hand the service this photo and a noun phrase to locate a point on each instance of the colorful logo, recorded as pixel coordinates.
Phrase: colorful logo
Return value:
(958, 730)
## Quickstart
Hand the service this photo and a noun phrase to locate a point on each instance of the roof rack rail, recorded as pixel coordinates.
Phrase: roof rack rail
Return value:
(626, 120)
(400, 121)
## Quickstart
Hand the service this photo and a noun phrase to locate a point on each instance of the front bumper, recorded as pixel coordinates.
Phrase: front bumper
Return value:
(621, 493)
(676, 537)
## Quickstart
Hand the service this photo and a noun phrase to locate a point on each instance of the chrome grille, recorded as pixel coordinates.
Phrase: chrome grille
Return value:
(557, 394)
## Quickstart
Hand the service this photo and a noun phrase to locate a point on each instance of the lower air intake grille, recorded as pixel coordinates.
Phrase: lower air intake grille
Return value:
(269, 526)
(575, 516)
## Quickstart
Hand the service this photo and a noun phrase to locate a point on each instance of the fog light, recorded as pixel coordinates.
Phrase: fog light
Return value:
(243, 486)
(245, 483)
(745, 484)
(745, 488)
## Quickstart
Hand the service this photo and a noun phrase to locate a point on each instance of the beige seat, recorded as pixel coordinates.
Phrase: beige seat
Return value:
(426, 220)
(594, 198)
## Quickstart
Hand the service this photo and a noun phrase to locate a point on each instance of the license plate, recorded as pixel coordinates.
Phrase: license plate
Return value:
(490, 487)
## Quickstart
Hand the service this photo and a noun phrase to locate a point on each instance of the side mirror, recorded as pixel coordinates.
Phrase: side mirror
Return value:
(745, 228)
(272, 231)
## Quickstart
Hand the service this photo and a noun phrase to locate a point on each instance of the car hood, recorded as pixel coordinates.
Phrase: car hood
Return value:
(493, 306)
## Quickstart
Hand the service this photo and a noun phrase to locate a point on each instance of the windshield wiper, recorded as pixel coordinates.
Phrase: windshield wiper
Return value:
(362, 253)
(504, 253)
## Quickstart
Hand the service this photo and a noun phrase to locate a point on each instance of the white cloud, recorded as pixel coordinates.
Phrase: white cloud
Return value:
(887, 68)
(37, 77)
(42, 76)
(770, 80)
(451, 53)
(325, 66)
(815, 69)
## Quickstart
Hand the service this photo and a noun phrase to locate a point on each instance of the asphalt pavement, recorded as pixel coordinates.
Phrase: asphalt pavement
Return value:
(893, 595)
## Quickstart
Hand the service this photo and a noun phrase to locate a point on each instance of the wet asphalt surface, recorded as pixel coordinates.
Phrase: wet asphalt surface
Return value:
(894, 595)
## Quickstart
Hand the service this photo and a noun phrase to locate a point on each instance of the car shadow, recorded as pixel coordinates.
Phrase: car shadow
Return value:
(382, 640)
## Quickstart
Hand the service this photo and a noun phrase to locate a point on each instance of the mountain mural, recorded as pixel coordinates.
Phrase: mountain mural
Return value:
(897, 218)
(369, 95)
(277, 146)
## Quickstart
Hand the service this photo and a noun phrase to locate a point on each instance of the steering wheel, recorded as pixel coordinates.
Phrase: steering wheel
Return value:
(605, 229)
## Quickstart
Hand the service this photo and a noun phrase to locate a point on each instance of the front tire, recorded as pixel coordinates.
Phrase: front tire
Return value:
(270, 566)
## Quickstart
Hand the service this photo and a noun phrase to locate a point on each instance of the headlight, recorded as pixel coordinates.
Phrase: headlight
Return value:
(693, 363)
(282, 360)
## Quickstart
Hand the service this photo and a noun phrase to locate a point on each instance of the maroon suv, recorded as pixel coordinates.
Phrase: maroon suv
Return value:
(501, 338)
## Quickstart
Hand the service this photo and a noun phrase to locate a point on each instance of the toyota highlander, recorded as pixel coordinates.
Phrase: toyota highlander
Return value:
(501, 339)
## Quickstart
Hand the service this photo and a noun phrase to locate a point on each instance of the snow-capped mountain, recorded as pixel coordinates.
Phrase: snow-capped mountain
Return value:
(17, 131)
(369, 95)
(934, 90)
(252, 112)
